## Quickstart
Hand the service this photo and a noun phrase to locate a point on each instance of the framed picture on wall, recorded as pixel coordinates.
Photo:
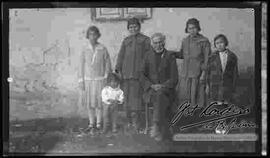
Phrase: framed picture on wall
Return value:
(143, 13)
(114, 14)
(107, 13)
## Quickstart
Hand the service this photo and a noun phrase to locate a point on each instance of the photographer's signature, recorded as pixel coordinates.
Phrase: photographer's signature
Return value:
(231, 111)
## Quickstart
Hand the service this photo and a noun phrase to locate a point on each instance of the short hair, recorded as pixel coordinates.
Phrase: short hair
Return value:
(92, 29)
(113, 77)
(158, 34)
(223, 37)
(193, 21)
(133, 21)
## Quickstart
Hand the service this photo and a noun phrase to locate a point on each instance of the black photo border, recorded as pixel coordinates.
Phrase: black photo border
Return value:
(256, 5)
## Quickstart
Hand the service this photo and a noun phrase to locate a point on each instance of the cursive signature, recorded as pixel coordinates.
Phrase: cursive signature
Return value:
(221, 124)
(231, 111)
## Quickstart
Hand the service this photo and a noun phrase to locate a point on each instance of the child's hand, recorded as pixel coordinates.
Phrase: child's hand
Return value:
(157, 87)
(110, 100)
(118, 102)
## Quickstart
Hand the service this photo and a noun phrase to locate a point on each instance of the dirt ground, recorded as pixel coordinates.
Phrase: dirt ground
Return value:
(63, 136)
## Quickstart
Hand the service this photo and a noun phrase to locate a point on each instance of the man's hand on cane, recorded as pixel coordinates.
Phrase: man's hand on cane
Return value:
(157, 87)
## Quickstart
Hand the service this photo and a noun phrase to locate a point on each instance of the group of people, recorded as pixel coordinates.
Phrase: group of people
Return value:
(146, 73)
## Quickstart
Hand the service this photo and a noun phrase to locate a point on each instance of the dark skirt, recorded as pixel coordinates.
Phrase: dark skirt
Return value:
(133, 94)
(191, 86)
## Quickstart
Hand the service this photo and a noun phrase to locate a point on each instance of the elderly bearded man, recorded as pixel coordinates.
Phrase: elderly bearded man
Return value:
(159, 76)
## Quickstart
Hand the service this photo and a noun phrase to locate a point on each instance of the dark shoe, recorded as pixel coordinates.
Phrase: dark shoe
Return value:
(98, 130)
(129, 126)
(92, 131)
(140, 131)
(98, 126)
(88, 129)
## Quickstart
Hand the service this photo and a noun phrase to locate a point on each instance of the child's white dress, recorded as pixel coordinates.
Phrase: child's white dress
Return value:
(112, 93)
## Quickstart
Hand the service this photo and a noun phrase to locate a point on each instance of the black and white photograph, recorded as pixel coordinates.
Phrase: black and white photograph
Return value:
(87, 79)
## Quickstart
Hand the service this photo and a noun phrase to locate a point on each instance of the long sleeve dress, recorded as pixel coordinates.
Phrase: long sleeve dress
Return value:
(94, 68)
(195, 52)
(129, 62)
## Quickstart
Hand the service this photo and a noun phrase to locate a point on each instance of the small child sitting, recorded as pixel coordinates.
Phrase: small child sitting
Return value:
(111, 96)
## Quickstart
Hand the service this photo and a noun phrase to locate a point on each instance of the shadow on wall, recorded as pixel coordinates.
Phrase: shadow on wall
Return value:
(245, 90)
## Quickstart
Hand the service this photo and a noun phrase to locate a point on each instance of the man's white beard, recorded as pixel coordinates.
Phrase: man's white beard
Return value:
(160, 51)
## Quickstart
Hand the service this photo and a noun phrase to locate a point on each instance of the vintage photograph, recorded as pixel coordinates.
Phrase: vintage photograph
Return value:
(153, 80)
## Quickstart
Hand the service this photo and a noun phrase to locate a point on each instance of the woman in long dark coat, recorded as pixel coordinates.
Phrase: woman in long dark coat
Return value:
(129, 60)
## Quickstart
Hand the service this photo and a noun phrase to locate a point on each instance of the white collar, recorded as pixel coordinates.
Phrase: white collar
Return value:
(224, 52)
(91, 47)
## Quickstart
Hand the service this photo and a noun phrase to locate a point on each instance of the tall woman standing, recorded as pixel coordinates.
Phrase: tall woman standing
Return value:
(195, 50)
(128, 64)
